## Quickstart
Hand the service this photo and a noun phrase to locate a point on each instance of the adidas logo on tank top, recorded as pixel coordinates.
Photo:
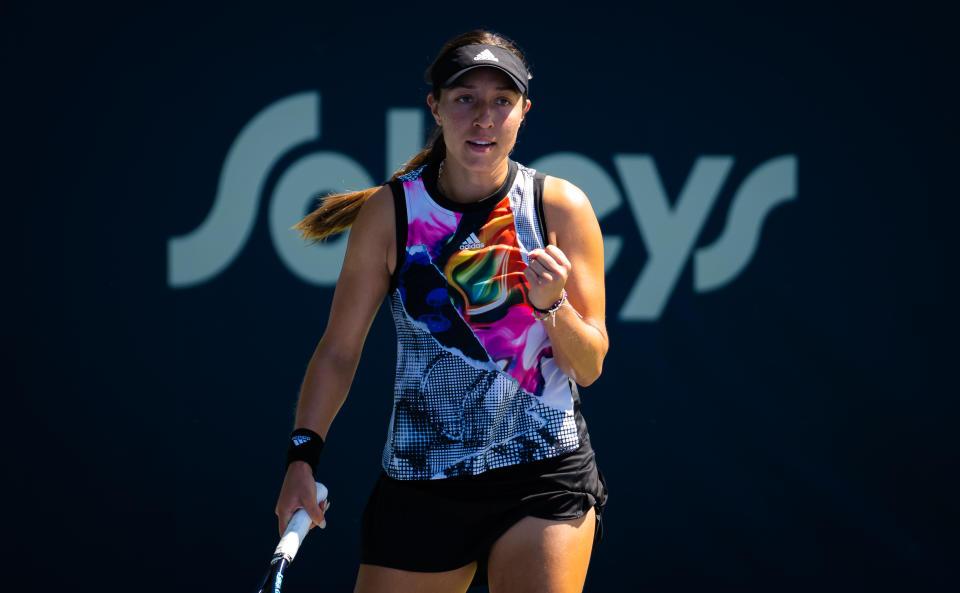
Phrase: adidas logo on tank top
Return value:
(472, 242)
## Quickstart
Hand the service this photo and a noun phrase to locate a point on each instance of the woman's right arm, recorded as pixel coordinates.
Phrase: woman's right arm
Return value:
(363, 283)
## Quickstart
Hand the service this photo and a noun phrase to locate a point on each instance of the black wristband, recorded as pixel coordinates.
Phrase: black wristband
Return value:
(305, 445)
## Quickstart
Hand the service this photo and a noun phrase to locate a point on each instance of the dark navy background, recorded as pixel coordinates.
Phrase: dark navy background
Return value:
(792, 431)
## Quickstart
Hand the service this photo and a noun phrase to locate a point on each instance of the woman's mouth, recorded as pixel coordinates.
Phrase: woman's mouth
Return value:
(480, 145)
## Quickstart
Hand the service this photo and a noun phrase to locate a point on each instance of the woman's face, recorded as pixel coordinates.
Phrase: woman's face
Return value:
(480, 116)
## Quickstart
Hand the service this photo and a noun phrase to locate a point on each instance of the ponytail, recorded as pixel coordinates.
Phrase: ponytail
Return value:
(338, 212)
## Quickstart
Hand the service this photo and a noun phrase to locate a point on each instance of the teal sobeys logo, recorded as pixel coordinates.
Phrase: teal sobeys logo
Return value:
(668, 229)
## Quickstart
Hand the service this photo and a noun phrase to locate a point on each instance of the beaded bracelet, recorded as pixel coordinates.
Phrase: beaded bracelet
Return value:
(542, 314)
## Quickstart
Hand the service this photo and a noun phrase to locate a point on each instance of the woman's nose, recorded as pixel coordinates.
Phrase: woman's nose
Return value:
(484, 116)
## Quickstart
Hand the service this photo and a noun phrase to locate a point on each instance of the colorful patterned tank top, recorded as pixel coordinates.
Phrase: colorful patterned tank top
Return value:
(477, 387)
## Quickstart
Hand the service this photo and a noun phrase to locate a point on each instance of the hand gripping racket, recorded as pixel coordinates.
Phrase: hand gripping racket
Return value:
(289, 544)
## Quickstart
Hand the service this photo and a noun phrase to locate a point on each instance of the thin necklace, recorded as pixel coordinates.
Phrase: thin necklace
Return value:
(439, 175)
(439, 182)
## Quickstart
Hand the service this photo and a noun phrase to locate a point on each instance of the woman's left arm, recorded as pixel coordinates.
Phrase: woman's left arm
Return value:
(572, 261)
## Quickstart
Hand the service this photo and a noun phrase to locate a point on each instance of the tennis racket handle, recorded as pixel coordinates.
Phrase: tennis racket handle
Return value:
(297, 530)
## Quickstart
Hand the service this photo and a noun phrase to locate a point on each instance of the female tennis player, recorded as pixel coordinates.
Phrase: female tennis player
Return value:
(494, 275)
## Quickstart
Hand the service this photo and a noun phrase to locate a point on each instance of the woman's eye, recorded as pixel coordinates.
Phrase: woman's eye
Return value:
(504, 101)
(464, 99)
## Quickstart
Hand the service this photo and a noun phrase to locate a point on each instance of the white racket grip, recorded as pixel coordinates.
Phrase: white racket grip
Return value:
(297, 529)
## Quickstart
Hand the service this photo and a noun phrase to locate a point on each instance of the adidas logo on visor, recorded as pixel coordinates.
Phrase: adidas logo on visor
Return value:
(486, 55)
(299, 440)
(472, 242)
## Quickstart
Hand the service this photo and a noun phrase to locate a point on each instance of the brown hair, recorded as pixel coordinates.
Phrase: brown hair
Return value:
(338, 211)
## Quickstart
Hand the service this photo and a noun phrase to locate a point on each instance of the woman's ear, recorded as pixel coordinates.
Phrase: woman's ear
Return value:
(434, 104)
(526, 107)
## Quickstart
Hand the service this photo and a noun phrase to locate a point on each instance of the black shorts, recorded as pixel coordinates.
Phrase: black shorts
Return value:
(440, 525)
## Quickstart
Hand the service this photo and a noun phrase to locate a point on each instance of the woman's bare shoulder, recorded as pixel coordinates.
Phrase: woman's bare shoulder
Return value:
(378, 208)
(372, 235)
(375, 221)
(565, 198)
